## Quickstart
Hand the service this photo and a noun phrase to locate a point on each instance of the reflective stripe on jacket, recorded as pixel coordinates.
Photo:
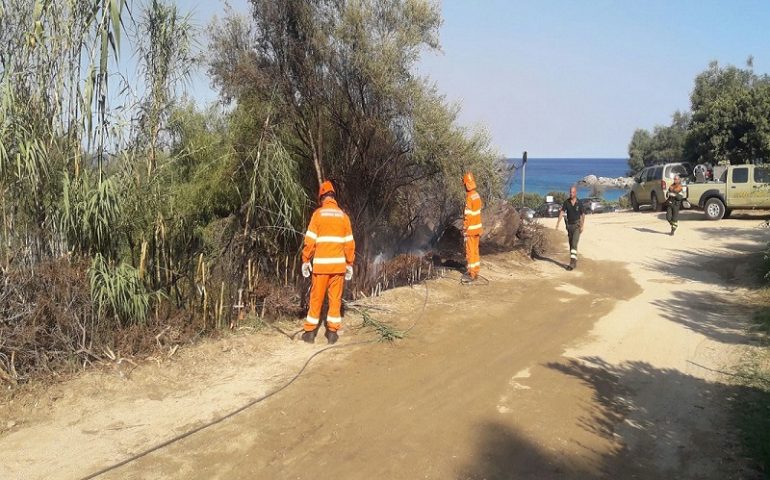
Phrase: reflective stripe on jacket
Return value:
(472, 222)
(329, 240)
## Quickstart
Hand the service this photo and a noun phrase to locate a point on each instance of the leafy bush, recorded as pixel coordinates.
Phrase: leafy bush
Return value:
(118, 292)
(531, 200)
(559, 197)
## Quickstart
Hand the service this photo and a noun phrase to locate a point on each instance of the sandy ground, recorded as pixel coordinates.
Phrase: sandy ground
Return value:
(616, 370)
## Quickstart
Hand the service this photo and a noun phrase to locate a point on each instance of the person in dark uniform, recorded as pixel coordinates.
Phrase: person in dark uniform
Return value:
(675, 197)
(575, 222)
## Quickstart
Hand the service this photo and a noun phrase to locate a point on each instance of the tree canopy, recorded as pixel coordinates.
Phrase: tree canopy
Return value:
(728, 122)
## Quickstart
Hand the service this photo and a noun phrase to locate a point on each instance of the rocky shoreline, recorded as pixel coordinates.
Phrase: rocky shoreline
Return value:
(620, 183)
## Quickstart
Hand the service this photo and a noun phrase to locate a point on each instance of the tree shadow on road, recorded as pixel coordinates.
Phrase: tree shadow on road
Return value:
(502, 453)
(661, 423)
(709, 314)
(758, 233)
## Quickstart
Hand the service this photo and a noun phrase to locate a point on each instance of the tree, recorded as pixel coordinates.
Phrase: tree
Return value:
(639, 150)
(729, 122)
(336, 87)
(664, 144)
(165, 58)
(730, 116)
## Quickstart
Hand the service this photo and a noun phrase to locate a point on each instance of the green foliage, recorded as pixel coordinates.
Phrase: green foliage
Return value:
(531, 200)
(89, 214)
(117, 292)
(731, 116)
(203, 178)
(385, 332)
(535, 200)
(165, 58)
(156, 194)
(331, 93)
(663, 144)
(728, 122)
(559, 197)
(751, 408)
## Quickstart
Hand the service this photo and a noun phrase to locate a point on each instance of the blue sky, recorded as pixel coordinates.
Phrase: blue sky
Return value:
(564, 78)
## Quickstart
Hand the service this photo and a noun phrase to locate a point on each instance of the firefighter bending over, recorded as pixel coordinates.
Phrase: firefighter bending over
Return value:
(329, 245)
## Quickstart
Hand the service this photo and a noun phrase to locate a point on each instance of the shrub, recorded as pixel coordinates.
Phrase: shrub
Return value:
(531, 200)
(559, 197)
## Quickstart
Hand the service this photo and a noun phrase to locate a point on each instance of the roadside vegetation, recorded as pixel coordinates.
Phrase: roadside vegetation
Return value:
(752, 410)
(535, 200)
(726, 123)
(135, 219)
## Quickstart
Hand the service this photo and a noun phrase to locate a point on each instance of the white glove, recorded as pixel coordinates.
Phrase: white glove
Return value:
(306, 269)
(348, 272)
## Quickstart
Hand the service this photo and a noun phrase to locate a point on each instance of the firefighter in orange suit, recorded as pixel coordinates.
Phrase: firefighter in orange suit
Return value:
(329, 245)
(472, 227)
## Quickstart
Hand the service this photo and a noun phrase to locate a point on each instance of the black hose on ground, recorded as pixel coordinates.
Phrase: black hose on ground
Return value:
(221, 419)
(251, 403)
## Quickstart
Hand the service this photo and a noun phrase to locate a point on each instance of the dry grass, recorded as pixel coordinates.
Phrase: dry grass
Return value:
(49, 325)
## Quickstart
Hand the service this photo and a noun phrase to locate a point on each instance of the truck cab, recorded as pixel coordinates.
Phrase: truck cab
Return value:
(740, 187)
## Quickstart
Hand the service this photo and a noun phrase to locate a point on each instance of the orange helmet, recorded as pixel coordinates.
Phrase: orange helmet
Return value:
(326, 187)
(469, 181)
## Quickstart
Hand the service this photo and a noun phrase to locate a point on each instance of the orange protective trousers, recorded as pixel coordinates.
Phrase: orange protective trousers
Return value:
(334, 285)
(472, 255)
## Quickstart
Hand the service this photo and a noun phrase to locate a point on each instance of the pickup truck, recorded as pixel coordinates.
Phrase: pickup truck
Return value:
(740, 187)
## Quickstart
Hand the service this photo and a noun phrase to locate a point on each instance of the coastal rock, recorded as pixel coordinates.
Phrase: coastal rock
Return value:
(622, 183)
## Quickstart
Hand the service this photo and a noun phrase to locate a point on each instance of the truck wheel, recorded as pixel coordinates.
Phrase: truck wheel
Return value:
(654, 202)
(714, 209)
(634, 202)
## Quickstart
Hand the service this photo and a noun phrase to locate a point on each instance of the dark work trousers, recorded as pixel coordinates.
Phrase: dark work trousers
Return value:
(573, 232)
(672, 213)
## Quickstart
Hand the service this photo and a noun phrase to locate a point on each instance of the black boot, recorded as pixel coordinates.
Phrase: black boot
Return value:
(673, 230)
(331, 337)
(309, 337)
(572, 264)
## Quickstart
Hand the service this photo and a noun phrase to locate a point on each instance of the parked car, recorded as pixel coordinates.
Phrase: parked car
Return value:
(653, 181)
(548, 210)
(526, 213)
(593, 205)
(740, 187)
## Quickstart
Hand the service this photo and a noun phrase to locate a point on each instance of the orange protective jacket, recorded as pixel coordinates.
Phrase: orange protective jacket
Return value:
(329, 240)
(472, 221)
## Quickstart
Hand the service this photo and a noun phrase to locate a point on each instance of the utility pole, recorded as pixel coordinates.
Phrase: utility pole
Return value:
(523, 176)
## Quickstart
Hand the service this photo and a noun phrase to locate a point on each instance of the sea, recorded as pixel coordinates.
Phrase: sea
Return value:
(545, 175)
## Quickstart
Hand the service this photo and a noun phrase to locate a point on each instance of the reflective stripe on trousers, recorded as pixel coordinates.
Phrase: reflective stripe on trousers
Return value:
(334, 285)
(573, 234)
(672, 213)
(472, 255)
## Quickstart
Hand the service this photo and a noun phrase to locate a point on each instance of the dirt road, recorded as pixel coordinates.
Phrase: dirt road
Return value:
(610, 371)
